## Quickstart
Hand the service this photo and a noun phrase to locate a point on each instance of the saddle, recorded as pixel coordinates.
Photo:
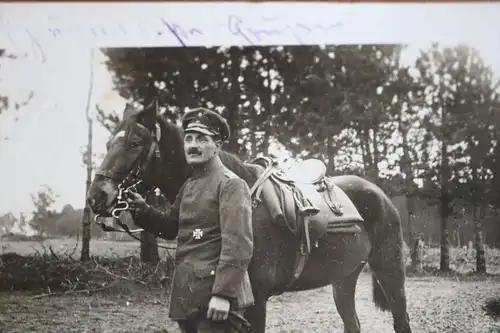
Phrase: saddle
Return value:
(305, 200)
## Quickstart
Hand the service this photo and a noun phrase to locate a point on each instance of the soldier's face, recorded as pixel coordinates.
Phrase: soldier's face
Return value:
(200, 148)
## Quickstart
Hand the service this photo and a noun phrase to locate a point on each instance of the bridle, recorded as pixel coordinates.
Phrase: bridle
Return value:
(129, 184)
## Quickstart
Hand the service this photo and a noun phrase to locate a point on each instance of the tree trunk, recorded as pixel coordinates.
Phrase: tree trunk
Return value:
(252, 139)
(414, 240)
(370, 163)
(330, 149)
(233, 117)
(444, 203)
(149, 248)
(479, 210)
(445, 244)
(267, 100)
(479, 240)
(375, 154)
(86, 220)
(331, 153)
(365, 144)
(149, 242)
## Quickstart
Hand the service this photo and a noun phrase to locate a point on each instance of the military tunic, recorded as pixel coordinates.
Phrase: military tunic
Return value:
(212, 220)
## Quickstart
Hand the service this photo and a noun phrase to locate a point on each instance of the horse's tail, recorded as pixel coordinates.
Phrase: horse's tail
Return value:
(386, 259)
(378, 294)
(383, 225)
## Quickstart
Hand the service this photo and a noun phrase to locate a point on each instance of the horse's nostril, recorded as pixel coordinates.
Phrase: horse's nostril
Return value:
(98, 200)
(91, 202)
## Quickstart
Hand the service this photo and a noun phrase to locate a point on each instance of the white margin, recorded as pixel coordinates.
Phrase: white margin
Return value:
(35, 26)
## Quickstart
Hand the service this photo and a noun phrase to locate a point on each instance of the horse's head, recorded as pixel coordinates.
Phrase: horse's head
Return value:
(130, 163)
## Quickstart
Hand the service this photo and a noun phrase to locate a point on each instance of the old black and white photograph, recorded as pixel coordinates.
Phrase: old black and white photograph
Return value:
(287, 188)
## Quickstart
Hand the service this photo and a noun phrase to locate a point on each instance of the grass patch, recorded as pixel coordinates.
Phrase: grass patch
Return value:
(464, 276)
(462, 264)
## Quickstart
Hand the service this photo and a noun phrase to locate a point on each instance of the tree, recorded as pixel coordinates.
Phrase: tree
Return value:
(23, 222)
(342, 105)
(69, 222)
(44, 216)
(231, 80)
(405, 105)
(7, 223)
(87, 218)
(447, 79)
(476, 95)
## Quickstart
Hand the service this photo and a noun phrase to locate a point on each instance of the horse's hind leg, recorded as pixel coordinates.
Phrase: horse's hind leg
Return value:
(344, 292)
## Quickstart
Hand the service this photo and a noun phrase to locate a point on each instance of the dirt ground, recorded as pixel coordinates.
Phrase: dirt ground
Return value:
(436, 305)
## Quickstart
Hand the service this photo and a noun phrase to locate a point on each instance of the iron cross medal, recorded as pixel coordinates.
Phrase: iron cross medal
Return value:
(197, 233)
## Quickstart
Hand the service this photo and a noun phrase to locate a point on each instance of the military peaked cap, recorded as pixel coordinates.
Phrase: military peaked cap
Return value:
(207, 122)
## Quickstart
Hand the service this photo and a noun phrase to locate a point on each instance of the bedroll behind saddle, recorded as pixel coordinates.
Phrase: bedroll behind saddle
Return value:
(305, 199)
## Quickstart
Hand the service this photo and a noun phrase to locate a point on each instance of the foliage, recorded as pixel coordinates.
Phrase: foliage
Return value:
(44, 215)
(7, 223)
(46, 272)
(45, 221)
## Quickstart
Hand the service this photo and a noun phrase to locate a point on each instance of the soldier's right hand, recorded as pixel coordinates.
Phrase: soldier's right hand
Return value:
(136, 202)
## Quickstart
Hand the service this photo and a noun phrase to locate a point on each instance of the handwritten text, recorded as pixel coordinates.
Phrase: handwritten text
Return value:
(255, 32)
(235, 30)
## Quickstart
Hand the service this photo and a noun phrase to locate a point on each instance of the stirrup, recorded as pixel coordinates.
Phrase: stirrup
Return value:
(309, 210)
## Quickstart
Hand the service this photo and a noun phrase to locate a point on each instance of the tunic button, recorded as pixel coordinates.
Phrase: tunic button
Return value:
(212, 272)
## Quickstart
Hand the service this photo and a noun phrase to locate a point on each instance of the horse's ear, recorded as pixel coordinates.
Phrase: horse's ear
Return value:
(129, 111)
(147, 116)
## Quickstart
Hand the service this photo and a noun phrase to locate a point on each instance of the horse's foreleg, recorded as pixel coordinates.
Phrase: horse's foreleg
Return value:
(344, 295)
(256, 315)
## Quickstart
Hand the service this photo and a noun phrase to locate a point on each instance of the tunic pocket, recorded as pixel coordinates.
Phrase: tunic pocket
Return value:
(204, 272)
(191, 289)
(204, 277)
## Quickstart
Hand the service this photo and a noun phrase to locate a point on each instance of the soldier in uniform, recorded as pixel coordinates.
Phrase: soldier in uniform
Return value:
(212, 220)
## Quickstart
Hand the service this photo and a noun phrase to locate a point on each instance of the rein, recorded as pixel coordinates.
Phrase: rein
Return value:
(128, 185)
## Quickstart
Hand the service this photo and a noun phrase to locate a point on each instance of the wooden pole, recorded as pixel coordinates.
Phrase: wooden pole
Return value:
(87, 218)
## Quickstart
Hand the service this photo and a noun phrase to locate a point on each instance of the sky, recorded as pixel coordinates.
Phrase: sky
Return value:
(44, 147)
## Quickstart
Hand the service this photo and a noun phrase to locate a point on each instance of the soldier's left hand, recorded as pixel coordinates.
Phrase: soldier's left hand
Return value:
(218, 309)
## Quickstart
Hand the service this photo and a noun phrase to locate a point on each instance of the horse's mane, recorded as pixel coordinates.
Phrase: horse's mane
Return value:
(230, 160)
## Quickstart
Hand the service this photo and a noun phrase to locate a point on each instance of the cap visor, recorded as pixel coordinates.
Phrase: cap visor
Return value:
(199, 130)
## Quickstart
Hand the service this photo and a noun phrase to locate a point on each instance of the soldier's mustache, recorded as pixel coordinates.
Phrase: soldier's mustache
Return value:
(194, 151)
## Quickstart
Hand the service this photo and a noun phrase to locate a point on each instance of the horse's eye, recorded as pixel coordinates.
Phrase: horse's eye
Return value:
(134, 145)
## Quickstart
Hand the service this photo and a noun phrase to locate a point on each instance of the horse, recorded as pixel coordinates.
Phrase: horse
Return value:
(149, 149)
